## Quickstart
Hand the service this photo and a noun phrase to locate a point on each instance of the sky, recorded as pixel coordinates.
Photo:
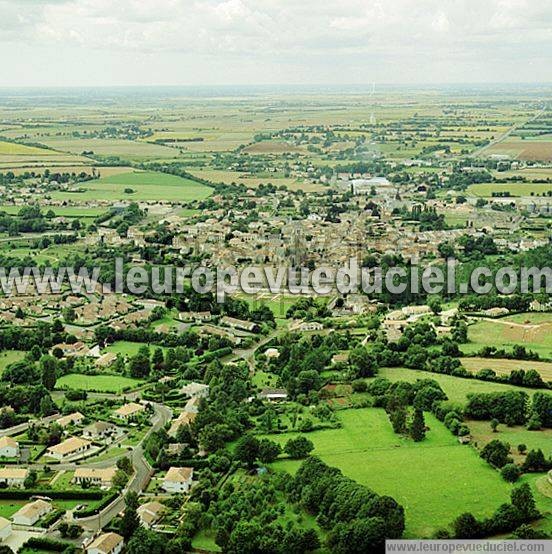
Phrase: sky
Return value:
(247, 42)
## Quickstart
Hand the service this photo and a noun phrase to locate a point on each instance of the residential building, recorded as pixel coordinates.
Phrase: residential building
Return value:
(273, 395)
(68, 448)
(31, 512)
(195, 390)
(13, 476)
(106, 543)
(75, 418)
(150, 513)
(100, 430)
(178, 479)
(96, 477)
(130, 410)
(9, 448)
(184, 418)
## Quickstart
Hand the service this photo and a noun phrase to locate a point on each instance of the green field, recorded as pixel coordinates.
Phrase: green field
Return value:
(515, 189)
(435, 480)
(128, 348)
(101, 383)
(147, 185)
(456, 388)
(504, 334)
(9, 356)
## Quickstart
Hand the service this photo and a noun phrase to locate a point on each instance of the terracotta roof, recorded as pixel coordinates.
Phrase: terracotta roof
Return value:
(13, 473)
(106, 542)
(129, 409)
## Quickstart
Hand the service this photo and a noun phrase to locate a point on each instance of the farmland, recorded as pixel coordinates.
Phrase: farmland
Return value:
(144, 186)
(367, 450)
(505, 367)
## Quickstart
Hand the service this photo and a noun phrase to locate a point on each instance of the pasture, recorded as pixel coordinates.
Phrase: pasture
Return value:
(146, 186)
(506, 334)
(505, 367)
(456, 388)
(486, 190)
(100, 383)
(435, 480)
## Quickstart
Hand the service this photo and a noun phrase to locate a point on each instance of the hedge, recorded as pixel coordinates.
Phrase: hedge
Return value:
(44, 543)
(86, 512)
(24, 494)
(51, 518)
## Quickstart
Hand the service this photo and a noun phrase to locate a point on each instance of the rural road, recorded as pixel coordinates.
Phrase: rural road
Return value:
(140, 479)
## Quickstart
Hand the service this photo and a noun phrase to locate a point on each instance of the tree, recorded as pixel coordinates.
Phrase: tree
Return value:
(144, 541)
(247, 450)
(534, 423)
(417, 427)
(48, 366)
(158, 358)
(130, 521)
(494, 424)
(496, 453)
(523, 500)
(535, 461)
(125, 464)
(362, 362)
(510, 473)
(268, 451)
(139, 365)
(31, 479)
(120, 479)
(466, 527)
(298, 448)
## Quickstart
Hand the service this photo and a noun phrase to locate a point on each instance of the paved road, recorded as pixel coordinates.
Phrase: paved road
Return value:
(22, 427)
(140, 479)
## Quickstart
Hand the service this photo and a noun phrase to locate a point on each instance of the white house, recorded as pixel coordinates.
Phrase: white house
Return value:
(178, 479)
(75, 418)
(5, 528)
(96, 477)
(31, 512)
(130, 410)
(150, 512)
(273, 395)
(100, 430)
(106, 543)
(9, 448)
(68, 448)
(13, 476)
(198, 390)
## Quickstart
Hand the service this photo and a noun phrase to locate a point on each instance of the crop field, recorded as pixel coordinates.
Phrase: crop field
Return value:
(485, 190)
(367, 450)
(101, 383)
(505, 334)
(527, 149)
(504, 367)
(146, 185)
(456, 388)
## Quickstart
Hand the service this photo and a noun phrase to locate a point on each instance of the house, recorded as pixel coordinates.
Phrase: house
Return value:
(68, 448)
(106, 360)
(9, 448)
(31, 512)
(150, 512)
(198, 390)
(96, 477)
(75, 418)
(5, 528)
(240, 324)
(13, 476)
(273, 395)
(106, 543)
(69, 350)
(311, 326)
(130, 410)
(184, 418)
(272, 353)
(100, 430)
(178, 479)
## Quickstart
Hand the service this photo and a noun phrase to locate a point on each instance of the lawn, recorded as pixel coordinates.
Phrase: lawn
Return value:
(128, 348)
(101, 383)
(9, 356)
(146, 186)
(435, 480)
(505, 334)
(456, 388)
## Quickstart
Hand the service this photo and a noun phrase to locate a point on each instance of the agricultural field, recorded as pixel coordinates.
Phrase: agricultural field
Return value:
(529, 149)
(505, 367)
(456, 388)
(145, 185)
(486, 190)
(367, 450)
(98, 383)
(505, 334)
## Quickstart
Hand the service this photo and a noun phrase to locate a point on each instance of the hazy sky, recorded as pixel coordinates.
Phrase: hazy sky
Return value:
(183, 42)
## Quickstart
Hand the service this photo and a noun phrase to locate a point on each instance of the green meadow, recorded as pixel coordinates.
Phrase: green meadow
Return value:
(367, 450)
(100, 383)
(146, 186)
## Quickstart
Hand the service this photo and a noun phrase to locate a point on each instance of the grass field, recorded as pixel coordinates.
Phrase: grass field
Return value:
(9, 356)
(127, 348)
(101, 383)
(147, 185)
(515, 189)
(367, 450)
(515, 147)
(456, 388)
(504, 367)
(505, 334)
